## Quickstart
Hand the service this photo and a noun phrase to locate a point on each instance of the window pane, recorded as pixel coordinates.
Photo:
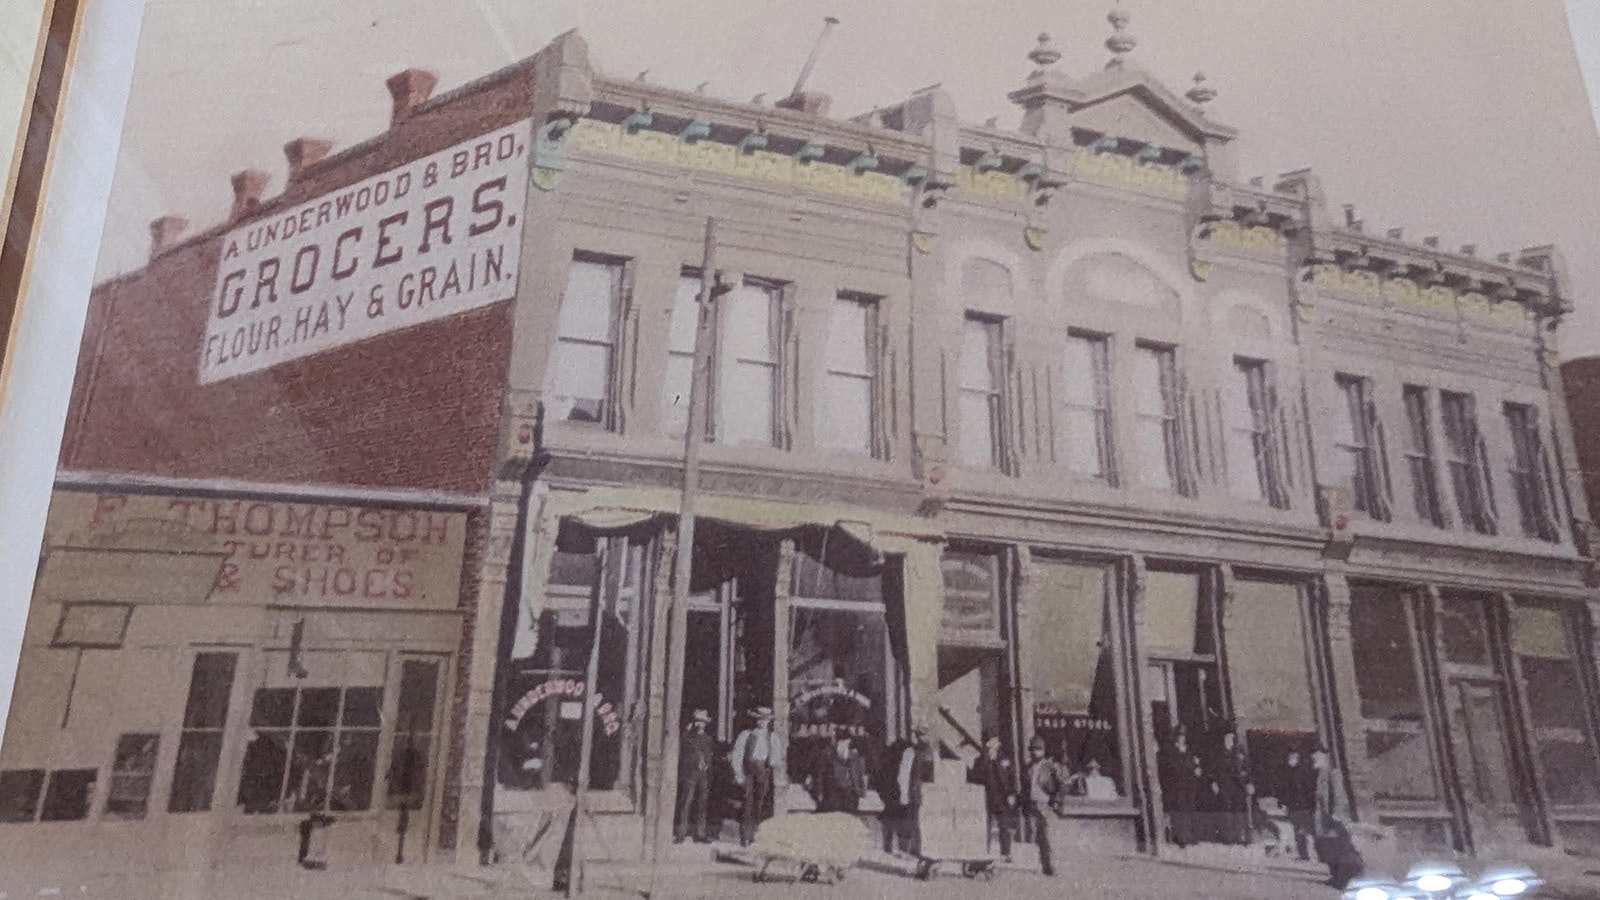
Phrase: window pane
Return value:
(352, 777)
(131, 775)
(837, 667)
(361, 706)
(588, 305)
(747, 324)
(1244, 475)
(261, 775)
(977, 430)
(817, 581)
(746, 404)
(408, 770)
(844, 414)
(19, 794)
(1571, 776)
(1074, 682)
(1171, 615)
(310, 764)
(1148, 397)
(209, 686)
(1082, 427)
(1080, 380)
(685, 316)
(418, 689)
(1399, 760)
(578, 382)
(195, 774)
(977, 364)
(319, 707)
(1399, 766)
(1271, 686)
(1150, 435)
(1463, 629)
(1556, 693)
(66, 795)
(847, 337)
(273, 708)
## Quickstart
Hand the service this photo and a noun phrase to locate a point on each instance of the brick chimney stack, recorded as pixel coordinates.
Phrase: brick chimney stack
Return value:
(408, 90)
(303, 152)
(248, 186)
(164, 233)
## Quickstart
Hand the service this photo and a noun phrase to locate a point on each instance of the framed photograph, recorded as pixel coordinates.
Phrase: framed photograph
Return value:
(518, 438)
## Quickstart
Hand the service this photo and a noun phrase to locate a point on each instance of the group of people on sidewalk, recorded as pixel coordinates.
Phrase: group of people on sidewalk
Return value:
(1012, 799)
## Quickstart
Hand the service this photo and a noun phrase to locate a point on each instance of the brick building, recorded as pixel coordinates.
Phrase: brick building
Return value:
(1065, 431)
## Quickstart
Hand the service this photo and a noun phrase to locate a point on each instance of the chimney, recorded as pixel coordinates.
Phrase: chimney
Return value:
(248, 186)
(164, 233)
(408, 90)
(302, 152)
(1431, 240)
(1396, 234)
(812, 103)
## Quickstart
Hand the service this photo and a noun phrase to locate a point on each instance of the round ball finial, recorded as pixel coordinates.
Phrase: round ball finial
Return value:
(1044, 55)
(1201, 93)
(1121, 43)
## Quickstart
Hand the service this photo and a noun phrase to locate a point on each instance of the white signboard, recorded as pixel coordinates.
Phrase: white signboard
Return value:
(429, 239)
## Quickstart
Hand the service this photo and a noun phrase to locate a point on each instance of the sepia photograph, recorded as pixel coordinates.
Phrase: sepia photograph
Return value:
(528, 448)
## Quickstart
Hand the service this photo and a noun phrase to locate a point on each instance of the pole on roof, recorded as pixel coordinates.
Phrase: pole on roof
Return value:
(811, 59)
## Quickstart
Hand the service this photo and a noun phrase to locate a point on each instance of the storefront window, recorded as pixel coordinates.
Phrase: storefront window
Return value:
(1074, 680)
(1176, 621)
(1268, 674)
(842, 675)
(1399, 760)
(542, 732)
(1545, 643)
(312, 749)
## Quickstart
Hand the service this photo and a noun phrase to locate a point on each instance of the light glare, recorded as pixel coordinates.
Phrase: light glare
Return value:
(1372, 893)
(1509, 887)
(1433, 882)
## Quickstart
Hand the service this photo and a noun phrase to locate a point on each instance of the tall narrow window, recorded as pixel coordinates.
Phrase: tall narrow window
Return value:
(1399, 760)
(579, 384)
(1361, 452)
(1159, 428)
(845, 415)
(679, 373)
(132, 771)
(982, 367)
(1467, 461)
(412, 747)
(1086, 418)
(1420, 456)
(747, 385)
(1530, 475)
(1251, 443)
(205, 716)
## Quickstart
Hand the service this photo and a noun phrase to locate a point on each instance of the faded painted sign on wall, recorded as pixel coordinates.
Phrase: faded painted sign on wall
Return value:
(428, 239)
(175, 549)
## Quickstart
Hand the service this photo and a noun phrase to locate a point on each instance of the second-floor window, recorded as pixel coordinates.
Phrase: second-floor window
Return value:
(1360, 448)
(1530, 475)
(1159, 424)
(679, 374)
(846, 414)
(578, 385)
(982, 369)
(748, 364)
(1467, 461)
(1086, 415)
(1250, 405)
(1420, 456)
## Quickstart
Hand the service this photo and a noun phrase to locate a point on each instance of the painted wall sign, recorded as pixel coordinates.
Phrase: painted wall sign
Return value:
(432, 238)
(264, 551)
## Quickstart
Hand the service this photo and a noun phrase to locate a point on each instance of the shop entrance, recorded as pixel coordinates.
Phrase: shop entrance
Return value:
(728, 662)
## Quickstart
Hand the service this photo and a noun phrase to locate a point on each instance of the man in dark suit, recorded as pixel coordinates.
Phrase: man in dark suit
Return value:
(696, 754)
(998, 776)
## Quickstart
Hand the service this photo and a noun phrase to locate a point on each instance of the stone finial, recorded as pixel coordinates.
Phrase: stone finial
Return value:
(1201, 93)
(303, 152)
(164, 233)
(1043, 54)
(408, 90)
(1121, 43)
(248, 186)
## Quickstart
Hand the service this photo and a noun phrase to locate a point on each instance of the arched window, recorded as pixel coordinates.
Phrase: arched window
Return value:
(986, 286)
(1120, 279)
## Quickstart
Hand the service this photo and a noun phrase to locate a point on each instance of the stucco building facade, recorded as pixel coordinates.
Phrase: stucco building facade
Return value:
(1068, 431)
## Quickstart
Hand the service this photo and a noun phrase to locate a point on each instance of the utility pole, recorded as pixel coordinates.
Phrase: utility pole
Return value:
(712, 286)
(591, 682)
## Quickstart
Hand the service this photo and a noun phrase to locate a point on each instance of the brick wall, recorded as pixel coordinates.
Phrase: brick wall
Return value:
(415, 408)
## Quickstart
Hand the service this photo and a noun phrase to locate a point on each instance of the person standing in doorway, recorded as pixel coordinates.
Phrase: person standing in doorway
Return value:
(757, 753)
(999, 779)
(841, 778)
(1180, 783)
(915, 770)
(1300, 801)
(1042, 782)
(696, 754)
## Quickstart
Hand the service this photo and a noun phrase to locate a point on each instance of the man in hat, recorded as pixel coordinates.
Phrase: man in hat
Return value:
(995, 772)
(1041, 783)
(695, 754)
(757, 752)
(915, 770)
